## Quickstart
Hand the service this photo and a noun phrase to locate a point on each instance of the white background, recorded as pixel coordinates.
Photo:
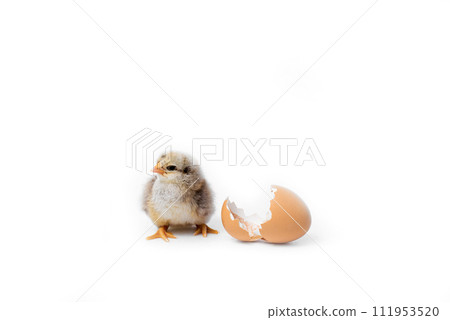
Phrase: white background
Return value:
(375, 102)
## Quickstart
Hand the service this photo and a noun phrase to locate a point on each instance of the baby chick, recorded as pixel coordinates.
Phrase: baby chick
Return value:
(178, 196)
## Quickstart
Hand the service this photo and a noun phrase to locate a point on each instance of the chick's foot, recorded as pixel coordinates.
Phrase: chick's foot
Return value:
(163, 234)
(204, 230)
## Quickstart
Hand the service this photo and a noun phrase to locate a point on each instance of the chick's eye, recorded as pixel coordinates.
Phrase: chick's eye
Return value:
(171, 168)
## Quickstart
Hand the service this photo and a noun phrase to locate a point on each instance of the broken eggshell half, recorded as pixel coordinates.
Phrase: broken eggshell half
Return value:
(287, 219)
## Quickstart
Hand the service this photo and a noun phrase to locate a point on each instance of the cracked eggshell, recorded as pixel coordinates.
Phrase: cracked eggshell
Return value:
(232, 225)
(290, 219)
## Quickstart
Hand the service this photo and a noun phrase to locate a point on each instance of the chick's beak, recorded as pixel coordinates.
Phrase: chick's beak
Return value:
(157, 169)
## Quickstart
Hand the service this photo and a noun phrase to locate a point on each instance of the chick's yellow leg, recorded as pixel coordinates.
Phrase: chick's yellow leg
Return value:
(204, 230)
(163, 234)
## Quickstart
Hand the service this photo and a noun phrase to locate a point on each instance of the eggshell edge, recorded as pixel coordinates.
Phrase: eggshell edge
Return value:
(232, 226)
